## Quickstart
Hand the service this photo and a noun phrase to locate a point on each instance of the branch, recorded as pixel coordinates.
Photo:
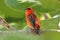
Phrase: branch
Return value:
(5, 24)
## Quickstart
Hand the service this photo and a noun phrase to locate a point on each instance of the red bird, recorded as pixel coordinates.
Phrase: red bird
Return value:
(32, 21)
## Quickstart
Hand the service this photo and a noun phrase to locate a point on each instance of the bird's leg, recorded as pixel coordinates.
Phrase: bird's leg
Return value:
(35, 31)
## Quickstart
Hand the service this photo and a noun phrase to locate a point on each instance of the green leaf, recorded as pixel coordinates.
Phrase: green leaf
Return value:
(50, 24)
(53, 6)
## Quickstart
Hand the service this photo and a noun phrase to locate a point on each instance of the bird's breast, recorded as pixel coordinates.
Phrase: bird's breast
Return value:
(29, 23)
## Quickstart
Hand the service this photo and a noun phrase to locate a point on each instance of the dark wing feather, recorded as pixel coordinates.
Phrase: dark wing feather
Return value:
(32, 19)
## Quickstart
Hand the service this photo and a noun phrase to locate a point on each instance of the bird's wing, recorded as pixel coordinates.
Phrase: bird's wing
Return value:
(32, 20)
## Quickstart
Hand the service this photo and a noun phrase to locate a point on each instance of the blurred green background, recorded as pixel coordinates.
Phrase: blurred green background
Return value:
(13, 11)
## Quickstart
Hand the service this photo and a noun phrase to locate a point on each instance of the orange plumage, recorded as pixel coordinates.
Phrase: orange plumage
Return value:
(32, 20)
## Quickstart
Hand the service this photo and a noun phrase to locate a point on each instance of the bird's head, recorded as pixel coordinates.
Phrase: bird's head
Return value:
(29, 10)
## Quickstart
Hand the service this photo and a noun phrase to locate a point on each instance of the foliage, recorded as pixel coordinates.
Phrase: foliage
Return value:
(13, 11)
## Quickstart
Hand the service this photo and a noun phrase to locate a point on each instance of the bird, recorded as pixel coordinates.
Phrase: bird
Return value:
(32, 21)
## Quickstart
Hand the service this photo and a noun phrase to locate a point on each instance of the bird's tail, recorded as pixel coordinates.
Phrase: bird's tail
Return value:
(37, 30)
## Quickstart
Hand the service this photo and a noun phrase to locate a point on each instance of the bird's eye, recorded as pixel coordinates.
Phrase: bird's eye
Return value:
(28, 9)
